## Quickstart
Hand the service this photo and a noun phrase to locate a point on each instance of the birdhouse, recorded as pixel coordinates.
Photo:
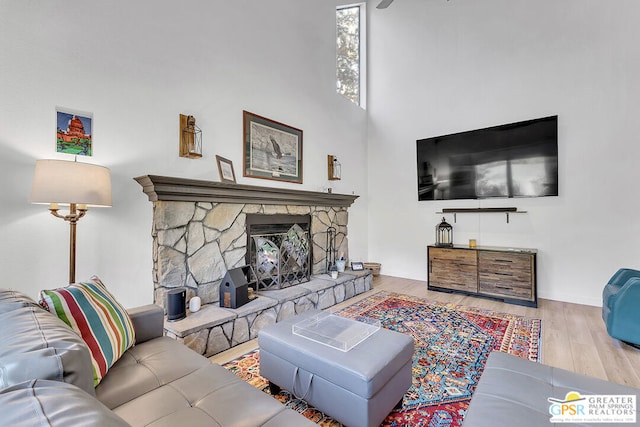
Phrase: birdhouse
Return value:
(234, 288)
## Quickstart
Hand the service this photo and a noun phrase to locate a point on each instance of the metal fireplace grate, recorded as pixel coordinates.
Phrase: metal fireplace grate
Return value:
(282, 259)
(279, 249)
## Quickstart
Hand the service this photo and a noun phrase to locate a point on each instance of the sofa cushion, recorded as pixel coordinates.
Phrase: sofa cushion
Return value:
(146, 367)
(52, 403)
(210, 396)
(35, 344)
(163, 383)
(90, 310)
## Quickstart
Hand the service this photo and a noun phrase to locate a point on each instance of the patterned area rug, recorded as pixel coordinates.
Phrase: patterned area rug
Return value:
(452, 343)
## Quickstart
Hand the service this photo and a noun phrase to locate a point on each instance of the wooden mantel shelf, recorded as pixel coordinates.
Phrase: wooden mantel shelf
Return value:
(165, 188)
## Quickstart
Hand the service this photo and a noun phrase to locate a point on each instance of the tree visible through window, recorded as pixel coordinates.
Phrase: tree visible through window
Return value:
(348, 52)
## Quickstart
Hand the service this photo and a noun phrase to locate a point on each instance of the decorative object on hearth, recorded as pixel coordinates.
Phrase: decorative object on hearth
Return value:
(330, 248)
(190, 138)
(272, 150)
(333, 270)
(234, 288)
(444, 234)
(374, 267)
(225, 168)
(341, 263)
(444, 379)
(73, 184)
(334, 168)
(176, 304)
(194, 304)
(473, 243)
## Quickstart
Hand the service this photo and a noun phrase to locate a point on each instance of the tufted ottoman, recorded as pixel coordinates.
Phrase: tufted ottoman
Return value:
(358, 387)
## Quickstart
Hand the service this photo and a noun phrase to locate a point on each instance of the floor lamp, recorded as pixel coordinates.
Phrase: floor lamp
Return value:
(73, 184)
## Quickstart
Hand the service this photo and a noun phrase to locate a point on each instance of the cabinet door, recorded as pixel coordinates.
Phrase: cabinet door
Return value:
(455, 269)
(506, 274)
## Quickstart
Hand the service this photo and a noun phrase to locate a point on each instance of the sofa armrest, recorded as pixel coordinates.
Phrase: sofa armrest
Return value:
(148, 322)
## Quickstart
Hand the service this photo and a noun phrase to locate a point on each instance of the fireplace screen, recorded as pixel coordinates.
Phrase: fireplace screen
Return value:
(282, 259)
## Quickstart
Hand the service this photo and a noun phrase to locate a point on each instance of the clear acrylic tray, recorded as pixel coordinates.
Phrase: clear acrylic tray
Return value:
(334, 331)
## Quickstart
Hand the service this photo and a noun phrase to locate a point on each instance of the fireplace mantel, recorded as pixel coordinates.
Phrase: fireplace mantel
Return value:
(166, 188)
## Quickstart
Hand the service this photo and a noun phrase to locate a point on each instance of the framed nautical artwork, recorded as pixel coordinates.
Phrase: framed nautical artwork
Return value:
(272, 150)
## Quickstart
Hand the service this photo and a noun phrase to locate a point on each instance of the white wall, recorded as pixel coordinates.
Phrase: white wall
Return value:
(438, 67)
(435, 67)
(136, 66)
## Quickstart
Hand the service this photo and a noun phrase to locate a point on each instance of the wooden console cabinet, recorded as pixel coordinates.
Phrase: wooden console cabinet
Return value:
(504, 273)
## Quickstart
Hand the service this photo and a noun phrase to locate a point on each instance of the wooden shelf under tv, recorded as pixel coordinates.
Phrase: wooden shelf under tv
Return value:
(455, 211)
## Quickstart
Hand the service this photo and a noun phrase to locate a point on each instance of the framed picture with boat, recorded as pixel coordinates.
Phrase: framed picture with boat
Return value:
(272, 150)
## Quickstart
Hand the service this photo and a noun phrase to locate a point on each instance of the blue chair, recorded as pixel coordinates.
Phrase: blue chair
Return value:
(621, 306)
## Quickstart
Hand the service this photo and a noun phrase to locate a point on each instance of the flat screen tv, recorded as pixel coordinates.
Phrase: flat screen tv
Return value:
(512, 160)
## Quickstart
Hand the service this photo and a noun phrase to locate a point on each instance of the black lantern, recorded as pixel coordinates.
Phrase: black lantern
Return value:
(444, 234)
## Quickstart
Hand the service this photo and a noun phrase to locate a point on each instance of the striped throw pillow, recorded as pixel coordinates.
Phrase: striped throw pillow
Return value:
(90, 310)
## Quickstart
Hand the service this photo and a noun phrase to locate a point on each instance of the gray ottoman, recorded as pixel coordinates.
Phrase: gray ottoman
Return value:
(358, 387)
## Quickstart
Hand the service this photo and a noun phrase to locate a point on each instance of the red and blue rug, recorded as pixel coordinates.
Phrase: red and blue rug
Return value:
(452, 343)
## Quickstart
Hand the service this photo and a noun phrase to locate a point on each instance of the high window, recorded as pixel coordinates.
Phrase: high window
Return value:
(350, 36)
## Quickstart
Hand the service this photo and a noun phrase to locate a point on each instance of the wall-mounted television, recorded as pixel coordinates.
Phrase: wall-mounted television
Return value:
(512, 160)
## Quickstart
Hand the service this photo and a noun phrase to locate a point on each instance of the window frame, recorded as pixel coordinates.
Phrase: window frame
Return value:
(362, 51)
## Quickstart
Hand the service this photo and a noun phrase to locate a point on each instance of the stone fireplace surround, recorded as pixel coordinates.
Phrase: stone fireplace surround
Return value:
(199, 232)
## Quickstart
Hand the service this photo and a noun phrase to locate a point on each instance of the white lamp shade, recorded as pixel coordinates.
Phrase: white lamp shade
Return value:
(65, 182)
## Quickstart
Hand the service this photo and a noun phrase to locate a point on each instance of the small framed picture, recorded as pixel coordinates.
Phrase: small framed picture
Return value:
(74, 134)
(225, 167)
(357, 266)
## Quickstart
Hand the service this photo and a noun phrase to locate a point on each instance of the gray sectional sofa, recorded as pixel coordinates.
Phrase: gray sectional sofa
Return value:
(46, 378)
(517, 392)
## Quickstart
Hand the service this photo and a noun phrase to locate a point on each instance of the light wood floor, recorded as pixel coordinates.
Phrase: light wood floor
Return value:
(573, 335)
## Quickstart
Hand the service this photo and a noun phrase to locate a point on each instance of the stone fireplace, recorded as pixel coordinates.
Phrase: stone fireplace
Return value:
(199, 229)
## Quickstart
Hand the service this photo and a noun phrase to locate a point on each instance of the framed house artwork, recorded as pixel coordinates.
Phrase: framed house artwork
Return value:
(74, 133)
(357, 266)
(272, 150)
